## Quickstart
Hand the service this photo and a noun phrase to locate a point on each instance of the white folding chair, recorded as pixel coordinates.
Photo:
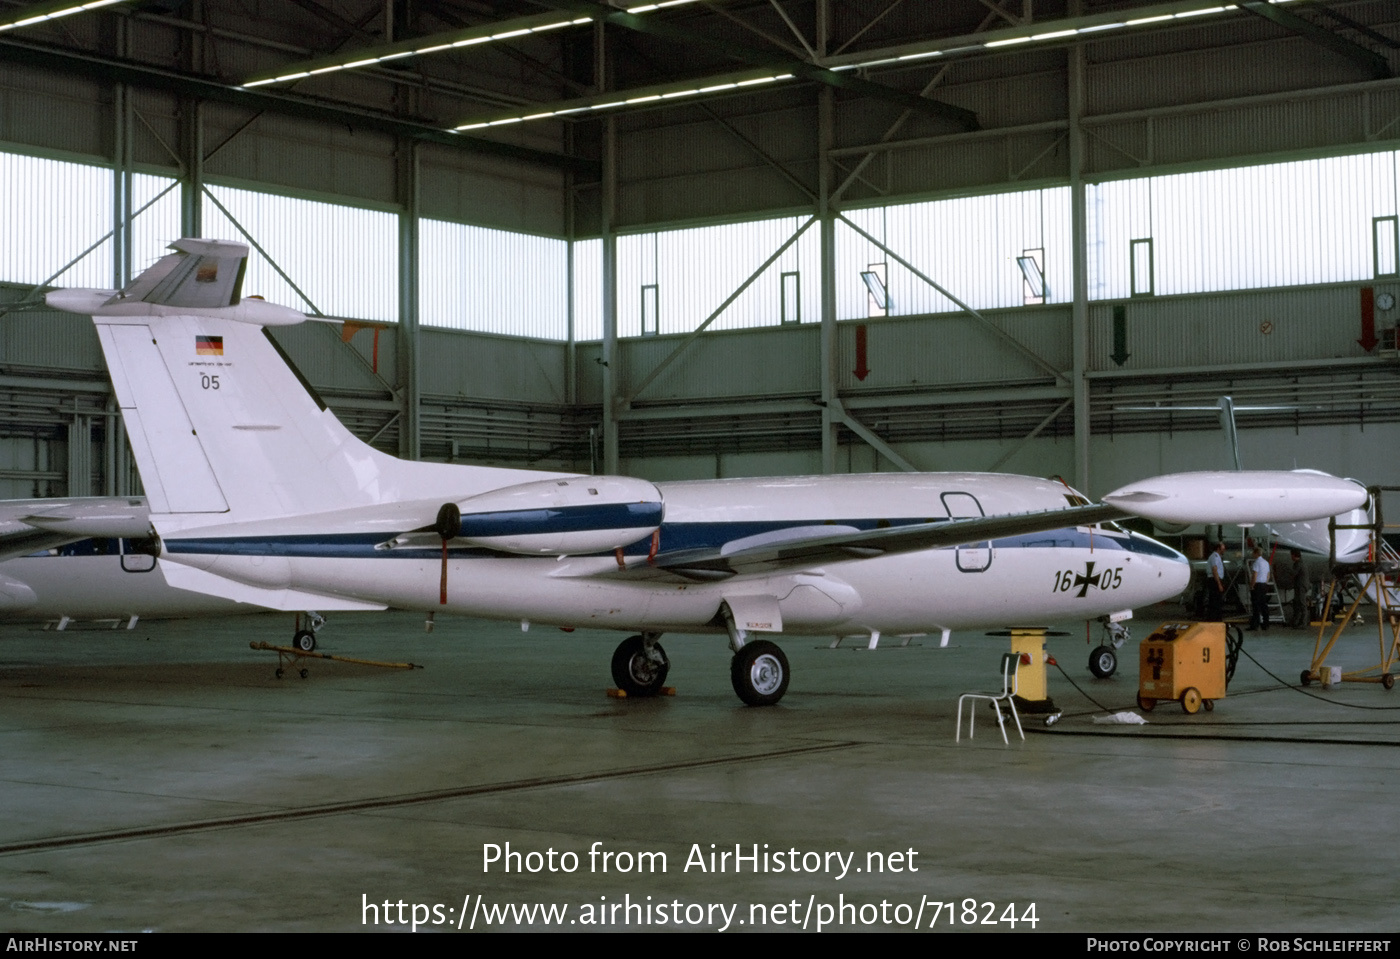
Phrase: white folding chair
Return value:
(1009, 663)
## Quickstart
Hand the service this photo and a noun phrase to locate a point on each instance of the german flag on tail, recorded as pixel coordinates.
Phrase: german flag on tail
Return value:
(209, 345)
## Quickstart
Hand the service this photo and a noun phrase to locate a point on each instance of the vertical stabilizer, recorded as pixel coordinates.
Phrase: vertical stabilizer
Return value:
(222, 428)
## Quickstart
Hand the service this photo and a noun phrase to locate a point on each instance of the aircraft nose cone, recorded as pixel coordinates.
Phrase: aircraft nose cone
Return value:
(1172, 569)
(1176, 574)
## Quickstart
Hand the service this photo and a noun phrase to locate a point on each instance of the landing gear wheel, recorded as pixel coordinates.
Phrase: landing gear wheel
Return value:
(1145, 704)
(636, 672)
(304, 640)
(1388, 680)
(1103, 662)
(1305, 677)
(1191, 701)
(759, 673)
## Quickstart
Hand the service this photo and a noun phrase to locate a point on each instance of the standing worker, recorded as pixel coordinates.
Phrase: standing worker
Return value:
(1215, 589)
(1259, 592)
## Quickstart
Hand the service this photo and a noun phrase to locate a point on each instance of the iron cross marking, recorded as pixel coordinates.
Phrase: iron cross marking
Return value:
(1085, 581)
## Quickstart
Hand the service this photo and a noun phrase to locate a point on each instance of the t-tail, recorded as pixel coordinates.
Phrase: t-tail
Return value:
(235, 450)
(222, 427)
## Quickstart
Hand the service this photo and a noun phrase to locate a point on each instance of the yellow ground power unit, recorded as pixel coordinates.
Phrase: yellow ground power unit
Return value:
(1184, 662)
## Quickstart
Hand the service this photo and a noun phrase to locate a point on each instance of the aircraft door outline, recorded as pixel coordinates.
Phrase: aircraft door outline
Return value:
(134, 560)
(970, 557)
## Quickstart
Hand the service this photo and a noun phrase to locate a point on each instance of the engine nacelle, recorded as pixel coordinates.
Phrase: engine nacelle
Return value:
(558, 517)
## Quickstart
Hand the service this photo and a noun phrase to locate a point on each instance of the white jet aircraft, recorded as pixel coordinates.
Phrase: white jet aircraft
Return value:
(93, 559)
(260, 495)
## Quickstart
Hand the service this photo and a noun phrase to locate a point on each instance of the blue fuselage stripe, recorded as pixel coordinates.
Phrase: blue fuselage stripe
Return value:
(674, 537)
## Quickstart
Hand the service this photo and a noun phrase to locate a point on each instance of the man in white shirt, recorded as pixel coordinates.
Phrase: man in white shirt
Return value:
(1215, 588)
(1259, 592)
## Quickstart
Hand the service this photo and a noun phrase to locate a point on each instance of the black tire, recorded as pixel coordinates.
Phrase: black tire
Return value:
(1103, 662)
(634, 672)
(305, 673)
(759, 673)
(1305, 677)
(278, 674)
(1234, 643)
(304, 640)
(1145, 704)
(1388, 680)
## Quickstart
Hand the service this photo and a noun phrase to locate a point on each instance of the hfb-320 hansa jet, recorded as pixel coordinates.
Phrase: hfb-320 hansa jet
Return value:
(259, 494)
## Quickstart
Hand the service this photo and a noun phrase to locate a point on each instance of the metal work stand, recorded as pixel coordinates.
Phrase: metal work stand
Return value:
(1370, 578)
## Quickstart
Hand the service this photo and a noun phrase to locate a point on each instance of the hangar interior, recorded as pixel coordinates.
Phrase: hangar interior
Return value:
(961, 236)
(680, 240)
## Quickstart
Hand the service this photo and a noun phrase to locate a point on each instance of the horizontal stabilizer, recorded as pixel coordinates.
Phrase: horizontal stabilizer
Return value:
(204, 274)
(289, 600)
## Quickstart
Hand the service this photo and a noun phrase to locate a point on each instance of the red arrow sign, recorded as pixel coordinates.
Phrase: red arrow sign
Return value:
(1368, 339)
(862, 369)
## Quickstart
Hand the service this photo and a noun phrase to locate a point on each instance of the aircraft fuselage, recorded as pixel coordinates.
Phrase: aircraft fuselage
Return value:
(1082, 572)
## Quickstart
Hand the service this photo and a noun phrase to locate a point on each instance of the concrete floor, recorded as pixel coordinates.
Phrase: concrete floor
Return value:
(163, 779)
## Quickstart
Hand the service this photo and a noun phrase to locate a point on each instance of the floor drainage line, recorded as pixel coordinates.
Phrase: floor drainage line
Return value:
(1206, 738)
(390, 802)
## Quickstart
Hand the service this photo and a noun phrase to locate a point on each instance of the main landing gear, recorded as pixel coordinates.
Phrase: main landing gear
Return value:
(639, 665)
(759, 670)
(759, 673)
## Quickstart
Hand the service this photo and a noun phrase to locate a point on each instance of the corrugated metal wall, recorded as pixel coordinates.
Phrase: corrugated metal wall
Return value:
(298, 154)
(344, 260)
(322, 357)
(771, 362)
(53, 211)
(490, 192)
(492, 281)
(1282, 224)
(694, 271)
(1267, 326)
(476, 367)
(687, 168)
(953, 350)
(967, 245)
(43, 339)
(54, 111)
